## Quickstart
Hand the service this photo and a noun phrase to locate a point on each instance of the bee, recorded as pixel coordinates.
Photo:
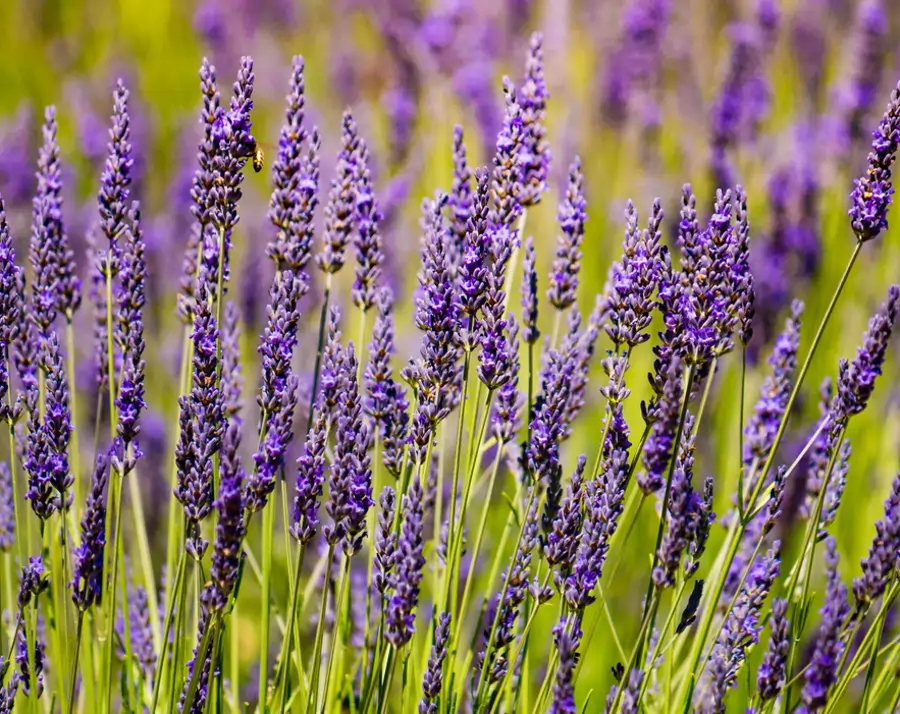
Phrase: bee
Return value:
(259, 158)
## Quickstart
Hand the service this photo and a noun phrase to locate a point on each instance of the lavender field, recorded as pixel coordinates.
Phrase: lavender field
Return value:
(449, 356)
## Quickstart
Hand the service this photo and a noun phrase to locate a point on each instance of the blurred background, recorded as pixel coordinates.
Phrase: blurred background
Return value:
(779, 95)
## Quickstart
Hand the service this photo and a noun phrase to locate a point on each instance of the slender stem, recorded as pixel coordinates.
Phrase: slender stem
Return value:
(315, 664)
(320, 345)
(268, 536)
(337, 642)
(74, 679)
(167, 627)
(74, 451)
(212, 626)
(283, 672)
(482, 679)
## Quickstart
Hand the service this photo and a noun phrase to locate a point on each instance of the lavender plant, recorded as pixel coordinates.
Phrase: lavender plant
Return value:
(508, 520)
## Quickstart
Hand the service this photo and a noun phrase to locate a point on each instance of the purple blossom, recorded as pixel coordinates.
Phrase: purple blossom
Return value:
(48, 209)
(873, 193)
(230, 528)
(350, 482)
(741, 630)
(508, 402)
(684, 509)
(115, 183)
(386, 555)
(535, 149)
(631, 82)
(633, 281)
(567, 638)
(856, 378)
(310, 478)
(822, 671)
(771, 677)
(296, 177)
(562, 541)
(87, 581)
(530, 332)
(507, 604)
(369, 251)
(433, 679)
(378, 374)
(400, 611)
(340, 211)
(603, 506)
(232, 380)
(7, 510)
(878, 566)
(567, 264)
(508, 173)
(130, 401)
(461, 198)
(759, 434)
(664, 423)
(34, 581)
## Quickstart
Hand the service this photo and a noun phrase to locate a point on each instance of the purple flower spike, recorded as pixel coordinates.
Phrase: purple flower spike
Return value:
(310, 478)
(741, 630)
(295, 195)
(340, 212)
(461, 199)
(856, 378)
(386, 555)
(378, 375)
(130, 401)
(87, 583)
(115, 183)
(603, 506)
(7, 511)
(567, 264)
(48, 209)
(506, 185)
(878, 566)
(230, 530)
(530, 332)
(869, 49)
(350, 482)
(400, 611)
(567, 638)
(633, 281)
(535, 149)
(822, 670)
(873, 193)
(34, 581)
(759, 434)
(433, 679)
(772, 672)
(664, 415)
(563, 539)
(369, 251)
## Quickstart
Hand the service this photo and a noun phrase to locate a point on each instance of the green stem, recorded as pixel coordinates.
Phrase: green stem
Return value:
(336, 649)
(74, 451)
(177, 586)
(74, 679)
(315, 663)
(320, 345)
(268, 536)
(283, 673)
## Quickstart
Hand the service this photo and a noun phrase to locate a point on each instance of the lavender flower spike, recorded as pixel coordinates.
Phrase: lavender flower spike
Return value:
(567, 264)
(506, 184)
(873, 193)
(759, 434)
(87, 583)
(290, 248)
(351, 476)
(822, 670)
(530, 332)
(772, 672)
(230, 530)
(535, 149)
(856, 378)
(340, 210)
(879, 565)
(567, 637)
(115, 183)
(432, 680)
(400, 612)
(369, 252)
